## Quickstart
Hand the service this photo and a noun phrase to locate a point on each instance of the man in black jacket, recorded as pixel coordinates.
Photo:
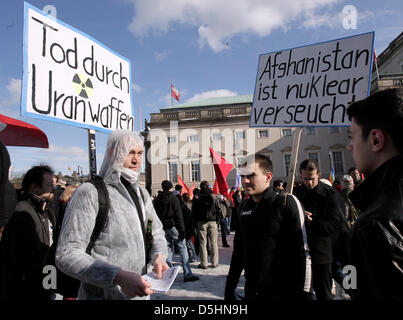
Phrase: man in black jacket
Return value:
(27, 239)
(376, 240)
(324, 209)
(271, 241)
(206, 213)
(169, 211)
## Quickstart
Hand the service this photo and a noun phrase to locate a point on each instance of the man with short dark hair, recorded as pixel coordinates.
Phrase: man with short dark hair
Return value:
(324, 210)
(375, 242)
(355, 174)
(271, 241)
(28, 237)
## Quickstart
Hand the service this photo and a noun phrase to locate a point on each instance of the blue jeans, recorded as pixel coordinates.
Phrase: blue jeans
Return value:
(228, 218)
(172, 237)
(191, 250)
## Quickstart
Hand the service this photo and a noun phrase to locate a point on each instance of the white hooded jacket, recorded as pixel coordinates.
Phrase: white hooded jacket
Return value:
(121, 243)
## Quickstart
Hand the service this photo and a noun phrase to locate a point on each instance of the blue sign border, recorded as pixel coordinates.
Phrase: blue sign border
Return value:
(308, 45)
(25, 73)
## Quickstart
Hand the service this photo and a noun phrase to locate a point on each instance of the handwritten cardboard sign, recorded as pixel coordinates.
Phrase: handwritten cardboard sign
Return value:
(71, 78)
(312, 85)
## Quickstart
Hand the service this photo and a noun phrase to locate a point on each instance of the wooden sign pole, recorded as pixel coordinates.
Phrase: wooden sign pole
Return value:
(294, 159)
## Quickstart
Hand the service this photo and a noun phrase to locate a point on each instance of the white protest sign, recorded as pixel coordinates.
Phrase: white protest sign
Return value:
(312, 85)
(71, 78)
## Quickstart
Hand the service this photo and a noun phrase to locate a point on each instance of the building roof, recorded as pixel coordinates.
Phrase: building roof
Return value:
(210, 102)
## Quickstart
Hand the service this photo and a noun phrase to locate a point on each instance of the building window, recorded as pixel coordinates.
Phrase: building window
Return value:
(310, 131)
(315, 157)
(194, 138)
(286, 132)
(240, 135)
(263, 134)
(173, 172)
(195, 170)
(333, 130)
(171, 139)
(217, 136)
(240, 161)
(287, 163)
(338, 162)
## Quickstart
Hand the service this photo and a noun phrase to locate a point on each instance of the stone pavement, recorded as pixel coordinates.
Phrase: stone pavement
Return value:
(211, 284)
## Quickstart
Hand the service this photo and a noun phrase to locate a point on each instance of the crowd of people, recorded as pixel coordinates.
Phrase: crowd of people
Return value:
(103, 237)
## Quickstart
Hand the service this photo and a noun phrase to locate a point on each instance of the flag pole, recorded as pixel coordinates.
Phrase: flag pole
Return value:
(171, 95)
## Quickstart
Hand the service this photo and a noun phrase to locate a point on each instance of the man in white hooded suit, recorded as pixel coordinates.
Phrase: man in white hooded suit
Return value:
(114, 268)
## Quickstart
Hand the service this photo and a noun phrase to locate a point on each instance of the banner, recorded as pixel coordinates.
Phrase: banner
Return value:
(71, 78)
(312, 85)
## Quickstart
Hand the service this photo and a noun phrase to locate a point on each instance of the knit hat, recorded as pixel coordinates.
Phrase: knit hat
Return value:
(166, 185)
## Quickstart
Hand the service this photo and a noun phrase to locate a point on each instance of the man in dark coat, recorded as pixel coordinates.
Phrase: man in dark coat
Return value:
(169, 211)
(272, 245)
(375, 243)
(27, 238)
(324, 210)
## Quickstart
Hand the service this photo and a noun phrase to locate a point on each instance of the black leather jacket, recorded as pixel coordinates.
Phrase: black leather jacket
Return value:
(375, 243)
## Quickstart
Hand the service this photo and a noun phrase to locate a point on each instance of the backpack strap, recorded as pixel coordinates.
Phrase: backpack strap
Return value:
(282, 201)
(103, 210)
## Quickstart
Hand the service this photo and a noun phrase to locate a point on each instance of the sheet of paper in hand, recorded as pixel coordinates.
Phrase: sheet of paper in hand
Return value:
(163, 284)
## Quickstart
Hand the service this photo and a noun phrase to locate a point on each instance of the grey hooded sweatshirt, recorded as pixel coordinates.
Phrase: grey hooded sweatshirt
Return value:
(120, 244)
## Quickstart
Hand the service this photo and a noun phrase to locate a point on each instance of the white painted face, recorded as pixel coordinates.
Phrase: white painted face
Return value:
(134, 158)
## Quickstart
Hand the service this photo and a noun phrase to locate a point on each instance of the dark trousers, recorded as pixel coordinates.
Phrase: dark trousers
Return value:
(322, 281)
(223, 227)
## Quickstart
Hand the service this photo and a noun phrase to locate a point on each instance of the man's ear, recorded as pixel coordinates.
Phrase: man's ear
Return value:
(269, 176)
(377, 139)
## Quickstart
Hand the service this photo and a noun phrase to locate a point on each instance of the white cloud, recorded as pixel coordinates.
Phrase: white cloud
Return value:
(218, 21)
(137, 88)
(13, 93)
(212, 94)
(162, 55)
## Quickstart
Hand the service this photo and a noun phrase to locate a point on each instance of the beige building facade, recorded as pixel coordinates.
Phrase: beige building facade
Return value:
(179, 137)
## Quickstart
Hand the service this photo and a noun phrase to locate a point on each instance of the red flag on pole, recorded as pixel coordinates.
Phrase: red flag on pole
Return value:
(215, 187)
(185, 188)
(221, 169)
(191, 191)
(175, 93)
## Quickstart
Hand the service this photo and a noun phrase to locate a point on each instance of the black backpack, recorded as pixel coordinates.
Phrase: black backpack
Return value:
(104, 206)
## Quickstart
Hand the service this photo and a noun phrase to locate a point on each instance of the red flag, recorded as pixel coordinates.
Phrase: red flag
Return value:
(175, 93)
(185, 188)
(221, 169)
(215, 187)
(191, 191)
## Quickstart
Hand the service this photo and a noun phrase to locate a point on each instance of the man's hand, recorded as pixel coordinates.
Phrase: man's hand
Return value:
(308, 215)
(160, 264)
(132, 284)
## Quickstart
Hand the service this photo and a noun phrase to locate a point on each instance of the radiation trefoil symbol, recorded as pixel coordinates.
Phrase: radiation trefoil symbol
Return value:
(83, 85)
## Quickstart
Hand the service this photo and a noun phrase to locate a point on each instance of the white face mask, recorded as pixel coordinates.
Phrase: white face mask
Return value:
(129, 174)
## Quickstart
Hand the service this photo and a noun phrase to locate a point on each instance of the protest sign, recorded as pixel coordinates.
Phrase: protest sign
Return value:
(312, 85)
(71, 78)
